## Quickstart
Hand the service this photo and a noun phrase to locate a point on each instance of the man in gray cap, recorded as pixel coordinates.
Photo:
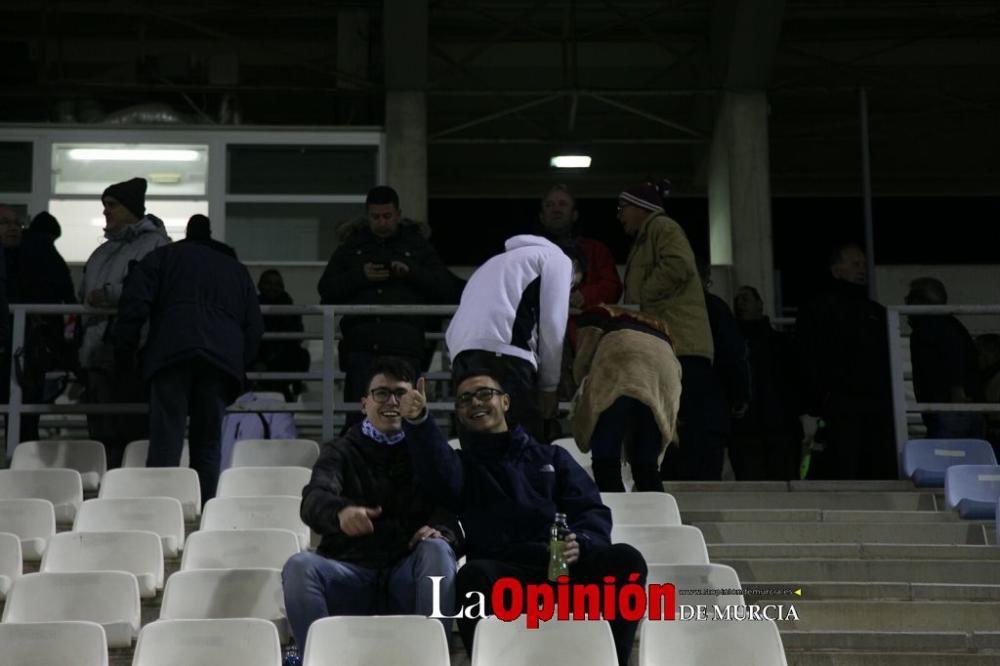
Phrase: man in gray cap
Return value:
(131, 234)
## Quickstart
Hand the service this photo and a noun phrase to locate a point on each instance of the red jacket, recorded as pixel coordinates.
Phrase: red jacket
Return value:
(601, 284)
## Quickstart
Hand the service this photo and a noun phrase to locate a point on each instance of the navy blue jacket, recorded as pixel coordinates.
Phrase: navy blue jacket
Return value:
(506, 490)
(200, 303)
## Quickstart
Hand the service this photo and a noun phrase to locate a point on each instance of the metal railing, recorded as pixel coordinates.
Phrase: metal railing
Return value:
(327, 376)
(900, 405)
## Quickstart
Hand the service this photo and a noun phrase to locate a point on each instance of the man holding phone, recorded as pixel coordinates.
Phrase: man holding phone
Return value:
(383, 260)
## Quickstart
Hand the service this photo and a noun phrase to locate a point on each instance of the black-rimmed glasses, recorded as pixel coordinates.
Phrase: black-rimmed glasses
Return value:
(484, 394)
(382, 394)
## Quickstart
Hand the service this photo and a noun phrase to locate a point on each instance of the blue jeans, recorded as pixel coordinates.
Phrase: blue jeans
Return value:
(316, 587)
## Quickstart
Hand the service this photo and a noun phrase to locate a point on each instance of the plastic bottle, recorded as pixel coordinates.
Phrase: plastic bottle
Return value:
(557, 545)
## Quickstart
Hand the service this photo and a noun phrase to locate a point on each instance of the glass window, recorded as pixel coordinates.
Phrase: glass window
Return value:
(82, 222)
(286, 232)
(171, 169)
(264, 169)
(15, 166)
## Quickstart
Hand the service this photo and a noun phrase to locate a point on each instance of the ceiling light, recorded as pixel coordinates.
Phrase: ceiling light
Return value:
(133, 155)
(570, 161)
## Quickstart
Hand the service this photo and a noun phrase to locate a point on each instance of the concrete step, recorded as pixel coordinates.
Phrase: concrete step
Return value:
(895, 659)
(969, 533)
(893, 616)
(793, 486)
(860, 501)
(803, 572)
(868, 551)
(873, 591)
(816, 516)
(795, 639)
(853, 486)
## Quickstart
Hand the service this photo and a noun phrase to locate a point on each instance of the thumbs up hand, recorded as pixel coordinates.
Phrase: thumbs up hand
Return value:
(414, 403)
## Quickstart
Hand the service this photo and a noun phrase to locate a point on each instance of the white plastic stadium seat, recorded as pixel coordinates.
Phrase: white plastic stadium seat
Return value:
(139, 553)
(226, 593)
(664, 544)
(247, 513)
(11, 564)
(62, 487)
(499, 643)
(178, 482)
(275, 453)
(86, 456)
(110, 598)
(579, 456)
(239, 549)
(644, 508)
(137, 450)
(32, 520)
(360, 641)
(162, 515)
(229, 642)
(699, 577)
(720, 643)
(52, 643)
(263, 481)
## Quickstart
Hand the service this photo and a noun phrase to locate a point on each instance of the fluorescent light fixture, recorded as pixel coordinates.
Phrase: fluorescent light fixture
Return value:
(133, 155)
(570, 161)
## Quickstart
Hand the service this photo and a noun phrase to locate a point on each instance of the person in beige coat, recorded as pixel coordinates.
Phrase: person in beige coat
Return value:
(661, 277)
(630, 388)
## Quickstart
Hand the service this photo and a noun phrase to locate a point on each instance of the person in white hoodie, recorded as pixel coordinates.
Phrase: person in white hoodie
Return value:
(512, 319)
(131, 234)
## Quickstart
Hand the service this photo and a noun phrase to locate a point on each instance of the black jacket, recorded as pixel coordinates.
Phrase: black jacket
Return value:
(200, 303)
(943, 355)
(427, 283)
(773, 402)
(37, 273)
(843, 351)
(354, 470)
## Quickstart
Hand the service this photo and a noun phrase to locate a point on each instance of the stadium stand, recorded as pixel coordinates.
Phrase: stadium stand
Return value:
(972, 490)
(139, 553)
(62, 487)
(137, 450)
(499, 643)
(32, 520)
(719, 643)
(358, 641)
(239, 549)
(84, 455)
(11, 564)
(160, 515)
(263, 481)
(275, 453)
(664, 544)
(178, 482)
(243, 513)
(926, 460)
(648, 508)
(48, 643)
(223, 642)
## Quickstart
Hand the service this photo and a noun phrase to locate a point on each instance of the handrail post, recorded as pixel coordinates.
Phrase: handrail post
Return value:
(329, 368)
(14, 402)
(898, 378)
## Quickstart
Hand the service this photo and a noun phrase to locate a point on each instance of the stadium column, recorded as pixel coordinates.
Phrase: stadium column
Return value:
(406, 51)
(739, 193)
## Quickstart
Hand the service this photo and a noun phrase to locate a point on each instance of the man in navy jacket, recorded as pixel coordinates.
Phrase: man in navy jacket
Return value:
(506, 489)
(204, 329)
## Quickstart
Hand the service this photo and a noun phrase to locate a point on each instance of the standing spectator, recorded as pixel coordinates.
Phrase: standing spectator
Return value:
(383, 262)
(630, 388)
(945, 364)
(766, 442)
(514, 309)
(199, 228)
(280, 355)
(131, 234)
(989, 363)
(204, 328)
(843, 355)
(661, 277)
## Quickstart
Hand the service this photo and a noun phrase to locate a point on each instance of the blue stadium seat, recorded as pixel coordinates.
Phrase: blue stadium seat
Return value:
(926, 460)
(973, 490)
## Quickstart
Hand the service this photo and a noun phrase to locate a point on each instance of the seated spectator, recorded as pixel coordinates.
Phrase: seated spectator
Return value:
(506, 488)
(630, 388)
(989, 363)
(767, 440)
(514, 310)
(253, 421)
(280, 355)
(382, 535)
(383, 262)
(945, 363)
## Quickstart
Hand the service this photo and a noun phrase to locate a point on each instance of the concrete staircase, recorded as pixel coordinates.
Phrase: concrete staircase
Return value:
(887, 575)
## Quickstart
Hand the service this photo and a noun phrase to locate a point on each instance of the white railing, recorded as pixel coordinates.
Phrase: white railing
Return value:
(900, 406)
(327, 376)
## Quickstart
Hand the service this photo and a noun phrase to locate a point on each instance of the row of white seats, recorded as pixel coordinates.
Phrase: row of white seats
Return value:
(417, 641)
(63, 488)
(88, 457)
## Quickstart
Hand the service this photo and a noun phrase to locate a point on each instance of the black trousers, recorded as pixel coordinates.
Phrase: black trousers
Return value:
(700, 425)
(194, 388)
(520, 381)
(115, 431)
(618, 560)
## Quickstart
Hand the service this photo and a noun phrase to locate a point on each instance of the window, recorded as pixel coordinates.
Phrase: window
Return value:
(286, 231)
(170, 169)
(284, 169)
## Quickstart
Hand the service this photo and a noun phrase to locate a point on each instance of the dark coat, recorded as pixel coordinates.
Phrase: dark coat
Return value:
(355, 470)
(773, 403)
(731, 363)
(843, 352)
(427, 283)
(944, 355)
(506, 489)
(200, 303)
(37, 272)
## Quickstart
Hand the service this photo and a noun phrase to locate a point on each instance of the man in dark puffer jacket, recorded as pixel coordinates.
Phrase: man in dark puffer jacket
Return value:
(382, 537)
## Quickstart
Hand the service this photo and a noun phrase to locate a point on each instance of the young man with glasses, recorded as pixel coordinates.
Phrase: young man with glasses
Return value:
(382, 537)
(506, 488)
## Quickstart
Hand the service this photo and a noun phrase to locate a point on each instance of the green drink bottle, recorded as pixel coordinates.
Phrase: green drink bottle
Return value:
(557, 556)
